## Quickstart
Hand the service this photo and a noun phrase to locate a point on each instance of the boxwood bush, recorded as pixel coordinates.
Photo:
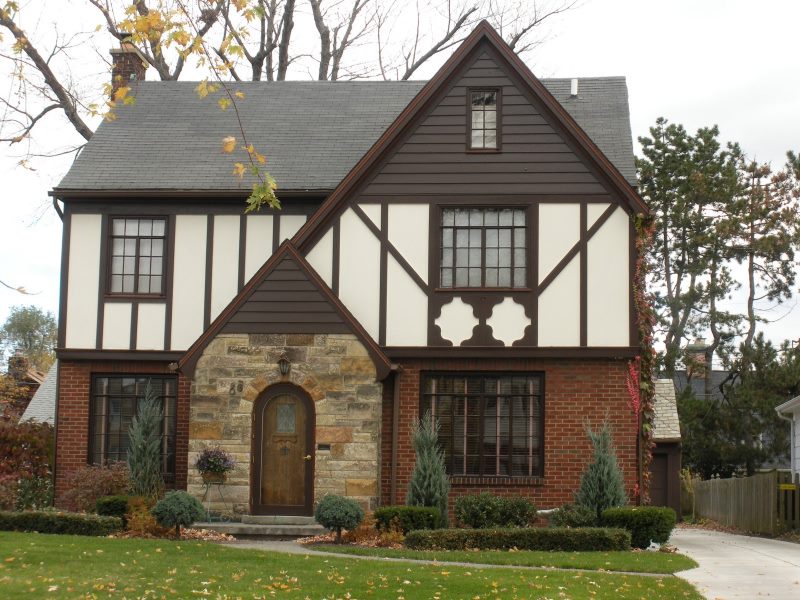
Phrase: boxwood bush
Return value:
(645, 523)
(47, 521)
(337, 512)
(408, 518)
(532, 538)
(485, 510)
(573, 515)
(112, 506)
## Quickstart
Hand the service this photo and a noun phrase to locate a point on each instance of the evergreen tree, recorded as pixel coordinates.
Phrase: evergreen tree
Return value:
(602, 485)
(429, 485)
(144, 451)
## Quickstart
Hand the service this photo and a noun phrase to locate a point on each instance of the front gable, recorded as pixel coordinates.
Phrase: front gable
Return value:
(380, 241)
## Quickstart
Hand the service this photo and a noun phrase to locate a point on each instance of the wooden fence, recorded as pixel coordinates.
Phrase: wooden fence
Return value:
(764, 503)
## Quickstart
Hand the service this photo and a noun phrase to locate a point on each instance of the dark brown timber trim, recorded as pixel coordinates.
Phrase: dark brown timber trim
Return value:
(242, 249)
(381, 235)
(101, 286)
(584, 274)
(335, 257)
(62, 300)
(533, 271)
(69, 354)
(633, 257)
(209, 274)
(276, 231)
(501, 352)
(134, 325)
(576, 249)
(168, 284)
(383, 277)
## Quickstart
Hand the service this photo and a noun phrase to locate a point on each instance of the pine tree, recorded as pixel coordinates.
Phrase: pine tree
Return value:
(602, 485)
(429, 485)
(144, 451)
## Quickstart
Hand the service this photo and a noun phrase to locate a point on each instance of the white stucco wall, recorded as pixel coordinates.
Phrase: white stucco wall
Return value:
(188, 282)
(83, 281)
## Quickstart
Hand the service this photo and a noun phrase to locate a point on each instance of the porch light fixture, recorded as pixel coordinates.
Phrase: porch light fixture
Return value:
(284, 364)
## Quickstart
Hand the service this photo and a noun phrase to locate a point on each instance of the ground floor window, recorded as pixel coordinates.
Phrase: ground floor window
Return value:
(490, 424)
(114, 402)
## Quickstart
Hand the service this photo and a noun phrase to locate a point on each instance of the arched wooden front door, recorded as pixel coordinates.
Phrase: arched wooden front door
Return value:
(282, 480)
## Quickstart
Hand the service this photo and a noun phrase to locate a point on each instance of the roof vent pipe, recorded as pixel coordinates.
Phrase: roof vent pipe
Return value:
(573, 88)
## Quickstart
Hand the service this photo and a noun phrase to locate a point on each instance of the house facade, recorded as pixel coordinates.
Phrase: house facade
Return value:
(463, 246)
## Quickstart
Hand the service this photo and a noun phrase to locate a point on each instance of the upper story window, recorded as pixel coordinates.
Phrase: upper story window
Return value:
(489, 424)
(483, 119)
(137, 256)
(483, 247)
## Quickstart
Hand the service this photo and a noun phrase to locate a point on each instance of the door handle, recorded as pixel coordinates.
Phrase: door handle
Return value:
(307, 457)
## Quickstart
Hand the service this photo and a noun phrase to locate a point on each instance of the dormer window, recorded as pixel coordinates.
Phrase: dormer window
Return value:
(484, 105)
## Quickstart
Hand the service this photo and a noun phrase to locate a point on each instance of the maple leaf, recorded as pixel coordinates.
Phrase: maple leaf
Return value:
(228, 144)
(239, 170)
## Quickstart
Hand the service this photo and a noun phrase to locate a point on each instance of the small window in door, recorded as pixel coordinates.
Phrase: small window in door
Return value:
(286, 419)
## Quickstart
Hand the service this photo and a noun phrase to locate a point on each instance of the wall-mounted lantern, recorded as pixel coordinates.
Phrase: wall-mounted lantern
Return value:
(284, 365)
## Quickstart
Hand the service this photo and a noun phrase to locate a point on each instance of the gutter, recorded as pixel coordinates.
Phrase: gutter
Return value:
(793, 466)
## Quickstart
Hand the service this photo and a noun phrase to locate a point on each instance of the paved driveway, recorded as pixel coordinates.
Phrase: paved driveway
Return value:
(740, 566)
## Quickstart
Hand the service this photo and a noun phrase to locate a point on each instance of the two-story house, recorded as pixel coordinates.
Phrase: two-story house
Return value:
(463, 246)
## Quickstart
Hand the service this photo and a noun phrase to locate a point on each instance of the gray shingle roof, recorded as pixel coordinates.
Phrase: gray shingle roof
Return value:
(42, 407)
(665, 419)
(312, 133)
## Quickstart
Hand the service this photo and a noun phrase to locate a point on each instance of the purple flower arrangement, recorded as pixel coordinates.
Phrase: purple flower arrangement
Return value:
(214, 460)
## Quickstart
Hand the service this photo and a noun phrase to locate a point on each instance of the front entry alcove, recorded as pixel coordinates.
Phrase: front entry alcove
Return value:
(283, 452)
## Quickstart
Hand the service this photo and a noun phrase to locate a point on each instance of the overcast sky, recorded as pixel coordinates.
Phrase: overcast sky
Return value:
(698, 62)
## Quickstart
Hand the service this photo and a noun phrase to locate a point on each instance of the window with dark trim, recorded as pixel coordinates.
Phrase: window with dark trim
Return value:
(490, 424)
(114, 402)
(483, 247)
(136, 264)
(483, 113)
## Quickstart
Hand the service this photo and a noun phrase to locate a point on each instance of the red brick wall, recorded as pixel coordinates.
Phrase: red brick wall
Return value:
(575, 390)
(72, 420)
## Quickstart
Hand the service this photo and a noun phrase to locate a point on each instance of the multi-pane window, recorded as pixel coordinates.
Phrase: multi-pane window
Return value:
(483, 247)
(137, 256)
(488, 424)
(483, 119)
(114, 402)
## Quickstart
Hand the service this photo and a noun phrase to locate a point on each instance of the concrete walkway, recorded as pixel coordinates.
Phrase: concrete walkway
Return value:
(740, 566)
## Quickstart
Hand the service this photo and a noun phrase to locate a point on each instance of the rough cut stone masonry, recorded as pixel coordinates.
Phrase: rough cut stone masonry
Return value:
(335, 370)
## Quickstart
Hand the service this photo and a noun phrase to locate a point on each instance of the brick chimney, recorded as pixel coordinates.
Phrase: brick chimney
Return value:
(698, 359)
(127, 64)
(18, 366)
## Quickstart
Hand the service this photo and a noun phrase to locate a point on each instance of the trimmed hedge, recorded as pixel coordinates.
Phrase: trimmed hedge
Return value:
(646, 523)
(408, 518)
(59, 522)
(113, 506)
(487, 511)
(532, 538)
(573, 515)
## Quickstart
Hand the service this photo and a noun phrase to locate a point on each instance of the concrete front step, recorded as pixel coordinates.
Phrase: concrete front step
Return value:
(259, 530)
(277, 520)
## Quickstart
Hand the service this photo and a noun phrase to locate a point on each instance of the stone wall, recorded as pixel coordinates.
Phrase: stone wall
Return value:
(336, 372)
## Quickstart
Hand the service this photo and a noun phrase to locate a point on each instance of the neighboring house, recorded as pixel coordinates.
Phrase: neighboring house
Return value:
(25, 377)
(42, 407)
(464, 246)
(790, 411)
(665, 468)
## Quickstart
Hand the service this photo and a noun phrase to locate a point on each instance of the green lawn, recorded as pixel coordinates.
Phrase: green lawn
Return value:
(33, 565)
(637, 562)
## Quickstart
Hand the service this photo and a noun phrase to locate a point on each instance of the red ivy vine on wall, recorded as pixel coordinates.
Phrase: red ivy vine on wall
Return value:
(641, 371)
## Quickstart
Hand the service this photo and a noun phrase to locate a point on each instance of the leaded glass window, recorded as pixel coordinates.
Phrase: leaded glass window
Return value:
(483, 120)
(137, 256)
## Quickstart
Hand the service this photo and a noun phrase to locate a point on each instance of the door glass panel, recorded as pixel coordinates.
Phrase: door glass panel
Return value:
(286, 418)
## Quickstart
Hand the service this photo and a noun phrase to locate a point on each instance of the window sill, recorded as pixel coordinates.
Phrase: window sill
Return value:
(484, 151)
(496, 480)
(121, 297)
(482, 290)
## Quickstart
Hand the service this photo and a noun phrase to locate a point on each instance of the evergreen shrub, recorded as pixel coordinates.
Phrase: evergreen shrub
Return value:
(112, 506)
(530, 538)
(50, 521)
(486, 511)
(602, 485)
(407, 518)
(429, 484)
(646, 523)
(573, 515)
(144, 451)
(178, 509)
(337, 512)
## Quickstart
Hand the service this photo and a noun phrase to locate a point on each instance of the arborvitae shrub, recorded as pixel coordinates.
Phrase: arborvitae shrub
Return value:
(429, 484)
(602, 485)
